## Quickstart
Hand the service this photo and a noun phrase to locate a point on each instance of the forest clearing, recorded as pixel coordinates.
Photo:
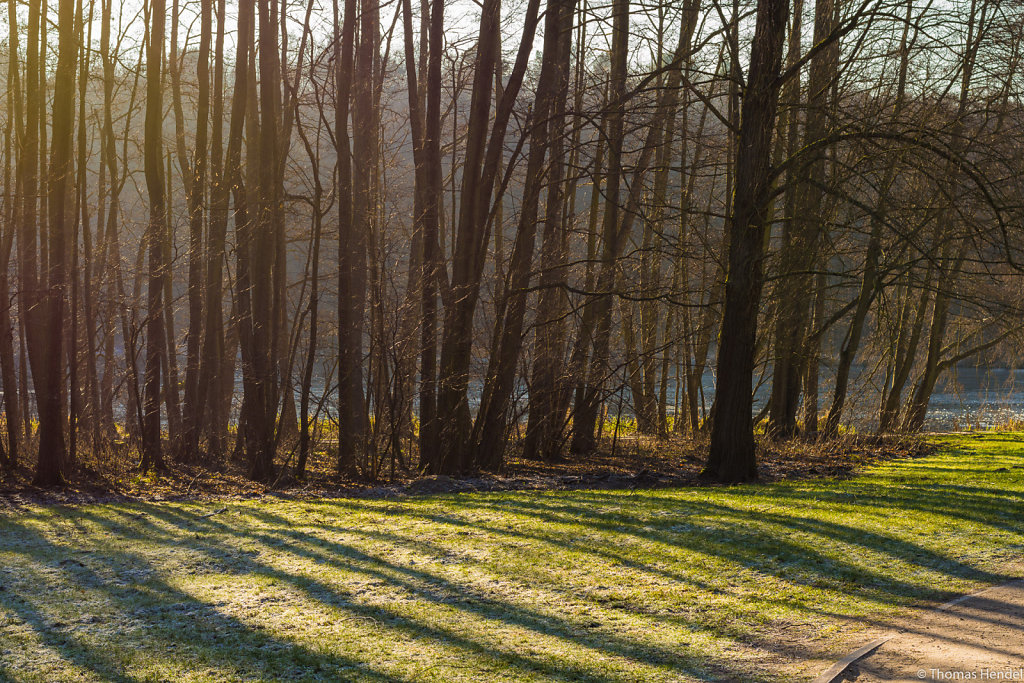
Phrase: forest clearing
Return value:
(768, 582)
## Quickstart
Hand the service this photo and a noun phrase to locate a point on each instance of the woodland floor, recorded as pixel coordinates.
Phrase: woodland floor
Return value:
(628, 461)
(766, 582)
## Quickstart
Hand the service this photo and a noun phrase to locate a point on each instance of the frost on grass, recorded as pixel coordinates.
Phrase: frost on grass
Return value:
(689, 584)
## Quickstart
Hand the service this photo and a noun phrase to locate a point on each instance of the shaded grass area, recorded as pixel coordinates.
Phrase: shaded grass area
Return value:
(752, 583)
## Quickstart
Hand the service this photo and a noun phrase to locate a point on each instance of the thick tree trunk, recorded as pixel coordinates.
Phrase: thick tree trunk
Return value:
(732, 455)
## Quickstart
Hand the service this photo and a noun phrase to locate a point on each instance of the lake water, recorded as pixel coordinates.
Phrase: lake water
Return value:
(978, 398)
(966, 398)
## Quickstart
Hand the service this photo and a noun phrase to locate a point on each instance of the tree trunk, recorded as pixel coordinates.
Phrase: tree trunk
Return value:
(152, 457)
(15, 133)
(353, 274)
(800, 251)
(548, 384)
(265, 244)
(222, 177)
(490, 429)
(51, 391)
(732, 456)
(430, 448)
(585, 414)
(344, 50)
(484, 149)
(193, 410)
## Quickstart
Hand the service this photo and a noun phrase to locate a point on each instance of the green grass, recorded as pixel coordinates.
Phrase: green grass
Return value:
(740, 583)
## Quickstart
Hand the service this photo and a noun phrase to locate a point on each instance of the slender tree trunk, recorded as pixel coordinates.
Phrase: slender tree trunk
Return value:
(580, 356)
(265, 244)
(314, 315)
(585, 415)
(221, 177)
(169, 359)
(484, 150)
(28, 228)
(800, 253)
(869, 285)
(813, 353)
(430, 448)
(546, 417)
(193, 411)
(15, 133)
(353, 274)
(344, 57)
(51, 390)
(110, 186)
(92, 257)
(490, 429)
(618, 220)
(953, 253)
(152, 456)
(903, 361)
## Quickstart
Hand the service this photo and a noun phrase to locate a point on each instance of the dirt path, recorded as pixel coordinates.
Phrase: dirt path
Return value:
(976, 638)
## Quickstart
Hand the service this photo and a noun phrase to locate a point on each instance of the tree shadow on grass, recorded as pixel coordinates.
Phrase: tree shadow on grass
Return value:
(218, 541)
(739, 535)
(170, 621)
(742, 536)
(650, 535)
(754, 538)
(439, 591)
(732, 541)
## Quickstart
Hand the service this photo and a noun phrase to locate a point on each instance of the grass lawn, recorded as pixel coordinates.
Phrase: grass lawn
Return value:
(749, 583)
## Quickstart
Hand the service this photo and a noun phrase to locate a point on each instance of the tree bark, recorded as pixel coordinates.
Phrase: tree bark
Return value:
(799, 252)
(490, 428)
(484, 148)
(193, 410)
(344, 54)
(152, 456)
(222, 177)
(732, 456)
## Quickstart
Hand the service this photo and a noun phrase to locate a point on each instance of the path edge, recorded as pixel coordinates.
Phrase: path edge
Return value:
(843, 664)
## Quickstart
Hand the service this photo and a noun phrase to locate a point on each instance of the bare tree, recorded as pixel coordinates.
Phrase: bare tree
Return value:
(732, 456)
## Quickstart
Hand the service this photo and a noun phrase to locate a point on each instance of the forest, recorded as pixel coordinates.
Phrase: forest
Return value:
(522, 340)
(430, 236)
